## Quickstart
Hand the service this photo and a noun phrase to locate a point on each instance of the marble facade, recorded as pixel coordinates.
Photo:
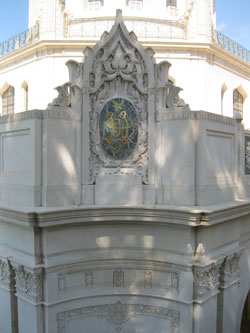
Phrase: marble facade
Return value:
(121, 209)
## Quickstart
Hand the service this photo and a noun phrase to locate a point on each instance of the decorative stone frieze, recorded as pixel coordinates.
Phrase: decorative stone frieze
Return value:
(108, 278)
(230, 270)
(61, 282)
(206, 281)
(148, 277)
(59, 114)
(29, 284)
(118, 314)
(34, 114)
(181, 114)
(89, 279)
(175, 282)
(118, 278)
(6, 273)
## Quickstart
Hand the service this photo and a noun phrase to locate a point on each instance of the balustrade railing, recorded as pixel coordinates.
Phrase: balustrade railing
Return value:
(143, 29)
(19, 41)
(94, 28)
(231, 46)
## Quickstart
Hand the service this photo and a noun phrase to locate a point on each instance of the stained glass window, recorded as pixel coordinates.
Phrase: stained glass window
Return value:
(8, 101)
(118, 126)
(26, 90)
(237, 104)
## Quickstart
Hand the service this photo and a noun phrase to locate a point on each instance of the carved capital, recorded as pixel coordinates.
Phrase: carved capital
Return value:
(6, 272)
(230, 270)
(206, 281)
(29, 283)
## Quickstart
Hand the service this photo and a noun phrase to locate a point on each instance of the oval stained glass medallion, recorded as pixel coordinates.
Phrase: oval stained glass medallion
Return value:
(118, 126)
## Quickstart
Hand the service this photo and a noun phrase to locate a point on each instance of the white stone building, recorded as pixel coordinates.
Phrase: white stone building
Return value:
(121, 209)
(182, 32)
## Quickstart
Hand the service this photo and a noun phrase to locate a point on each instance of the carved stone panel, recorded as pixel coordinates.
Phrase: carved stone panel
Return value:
(29, 284)
(6, 272)
(206, 281)
(119, 314)
(108, 278)
(117, 72)
(230, 270)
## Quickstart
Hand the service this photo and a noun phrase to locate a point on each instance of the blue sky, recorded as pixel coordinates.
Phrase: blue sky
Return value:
(232, 19)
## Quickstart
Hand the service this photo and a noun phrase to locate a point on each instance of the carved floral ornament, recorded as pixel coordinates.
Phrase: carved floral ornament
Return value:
(29, 283)
(207, 280)
(119, 90)
(5, 271)
(118, 314)
(119, 93)
(230, 271)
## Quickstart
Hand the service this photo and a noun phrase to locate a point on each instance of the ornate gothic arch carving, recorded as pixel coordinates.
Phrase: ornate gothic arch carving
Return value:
(118, 67)
(118, 70)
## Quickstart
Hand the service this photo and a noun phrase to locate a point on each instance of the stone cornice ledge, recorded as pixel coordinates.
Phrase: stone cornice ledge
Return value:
(159, 215)
(179, 114)
(62, 114)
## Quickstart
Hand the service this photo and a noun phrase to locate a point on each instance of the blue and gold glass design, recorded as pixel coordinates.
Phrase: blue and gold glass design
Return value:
(19, 41)
(247, 155)
(232, 47)
(118, 125)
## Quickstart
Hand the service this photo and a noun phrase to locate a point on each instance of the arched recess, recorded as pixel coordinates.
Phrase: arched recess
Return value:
(239, 96)
(223, 104)
(244, 288)
(4, 87)
(25, 96)
(245, 319)
(7, 94)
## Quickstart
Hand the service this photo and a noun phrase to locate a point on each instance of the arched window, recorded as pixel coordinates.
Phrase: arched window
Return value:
(245, 321)
(237, 104)
(222, 98)
(8, 101)
(171, 3)
(25, 96)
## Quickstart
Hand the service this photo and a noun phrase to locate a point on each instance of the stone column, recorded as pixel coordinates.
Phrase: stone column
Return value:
(206, 282)
(8, 305)
(29, 292)
(229, 286)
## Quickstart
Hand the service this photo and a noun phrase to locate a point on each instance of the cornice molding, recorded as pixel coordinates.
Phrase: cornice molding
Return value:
(65, 114)
(80, 44)
(175, 114)
(188, 217)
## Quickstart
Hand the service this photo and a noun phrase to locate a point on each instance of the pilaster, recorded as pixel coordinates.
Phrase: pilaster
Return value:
(8, 305)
